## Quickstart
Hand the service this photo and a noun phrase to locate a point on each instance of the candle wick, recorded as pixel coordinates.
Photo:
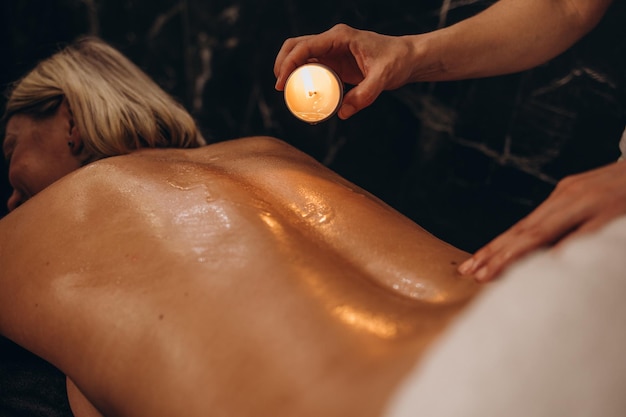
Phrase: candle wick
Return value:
(312, 93)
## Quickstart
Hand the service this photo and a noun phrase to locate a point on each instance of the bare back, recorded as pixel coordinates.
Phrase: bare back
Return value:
(242, 278)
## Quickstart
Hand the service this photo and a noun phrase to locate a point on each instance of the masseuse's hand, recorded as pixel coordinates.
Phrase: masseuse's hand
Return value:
(370, 61)
(579, 204)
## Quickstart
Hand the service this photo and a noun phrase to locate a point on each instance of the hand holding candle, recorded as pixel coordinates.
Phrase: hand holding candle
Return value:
(313, 93)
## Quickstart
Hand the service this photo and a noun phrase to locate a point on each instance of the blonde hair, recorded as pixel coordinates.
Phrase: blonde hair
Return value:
(116, 107)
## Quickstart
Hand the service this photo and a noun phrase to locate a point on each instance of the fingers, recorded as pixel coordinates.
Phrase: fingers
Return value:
(579, 204)
(298, 51)
(491, 260)
(550, 222)
(360, 58)
(361, 96)
(287, 60)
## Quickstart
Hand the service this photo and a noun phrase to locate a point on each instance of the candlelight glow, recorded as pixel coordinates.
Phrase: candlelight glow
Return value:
(313, 93)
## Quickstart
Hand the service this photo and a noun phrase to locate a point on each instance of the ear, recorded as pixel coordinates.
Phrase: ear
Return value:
(74, 140)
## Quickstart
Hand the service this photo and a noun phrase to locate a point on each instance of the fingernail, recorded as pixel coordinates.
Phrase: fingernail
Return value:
(346, 111)
(481, 274)
(466, 266)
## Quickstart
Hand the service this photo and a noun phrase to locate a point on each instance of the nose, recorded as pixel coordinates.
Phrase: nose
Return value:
(16, 200)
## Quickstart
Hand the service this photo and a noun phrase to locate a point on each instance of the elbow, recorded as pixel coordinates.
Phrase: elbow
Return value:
(584, 15)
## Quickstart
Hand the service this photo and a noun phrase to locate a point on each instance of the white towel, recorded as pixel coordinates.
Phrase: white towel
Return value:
(547, 339)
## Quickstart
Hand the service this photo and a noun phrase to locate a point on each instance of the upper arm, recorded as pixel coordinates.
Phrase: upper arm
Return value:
(81, 406)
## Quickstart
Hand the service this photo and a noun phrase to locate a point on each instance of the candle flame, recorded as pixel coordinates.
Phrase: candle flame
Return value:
(307, 79)
(313, 92)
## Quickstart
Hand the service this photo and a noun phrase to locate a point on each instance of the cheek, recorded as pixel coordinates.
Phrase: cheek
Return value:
(29, 177)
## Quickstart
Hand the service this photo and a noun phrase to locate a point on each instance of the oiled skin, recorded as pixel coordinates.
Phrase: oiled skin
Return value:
(238, 279)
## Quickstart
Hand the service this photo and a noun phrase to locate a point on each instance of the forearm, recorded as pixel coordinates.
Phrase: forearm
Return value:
(510, 36)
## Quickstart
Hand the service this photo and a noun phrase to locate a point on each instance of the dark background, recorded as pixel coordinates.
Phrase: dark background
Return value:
(463, 159)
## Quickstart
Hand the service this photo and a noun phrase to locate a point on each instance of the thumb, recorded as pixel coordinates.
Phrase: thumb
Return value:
(358, 98)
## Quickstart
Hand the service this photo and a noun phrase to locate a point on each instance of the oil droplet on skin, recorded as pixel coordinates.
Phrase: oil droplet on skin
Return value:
(315, 213)
(185, 178)
(191, 186)
(178, 186)
(417, 290)
(184, 187)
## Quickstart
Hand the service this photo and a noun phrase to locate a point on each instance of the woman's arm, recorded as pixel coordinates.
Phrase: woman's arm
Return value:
(510, 36)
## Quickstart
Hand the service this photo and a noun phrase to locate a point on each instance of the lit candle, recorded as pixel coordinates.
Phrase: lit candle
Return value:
(313, 93)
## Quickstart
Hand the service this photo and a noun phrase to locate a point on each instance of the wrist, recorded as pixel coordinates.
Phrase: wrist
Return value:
(426, 63)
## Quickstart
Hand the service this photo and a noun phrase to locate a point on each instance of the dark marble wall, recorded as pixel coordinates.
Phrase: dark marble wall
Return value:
(463, 159)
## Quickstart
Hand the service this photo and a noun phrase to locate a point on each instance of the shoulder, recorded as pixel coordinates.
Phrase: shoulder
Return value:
(233, 154)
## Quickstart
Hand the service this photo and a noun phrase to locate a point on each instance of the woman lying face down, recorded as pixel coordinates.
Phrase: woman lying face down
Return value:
(240, 278)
